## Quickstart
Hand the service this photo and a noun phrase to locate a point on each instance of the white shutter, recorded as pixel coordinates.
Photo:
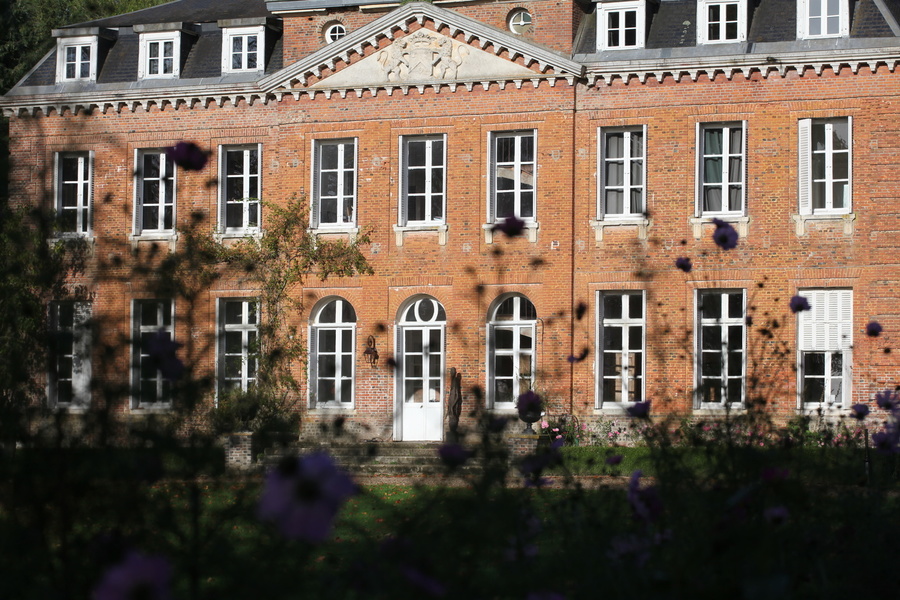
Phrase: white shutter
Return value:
(81, 363)
(745, 145)
(698, 170)
(314, 212)
(313, 382)
(845, 319)
(802, 19)
(601, 166)
(492, 177)
(404, 183)
(804, 175)
(849, 206)
(138, 192)
(644, 149)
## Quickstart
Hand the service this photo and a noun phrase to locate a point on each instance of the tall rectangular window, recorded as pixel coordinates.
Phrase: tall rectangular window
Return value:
(721, 164)
(721, 346)
(152, 326)
(623, 172)
(334, 183)
(154, 192)
(332, 357)
(621, 347)
(825, 166)
(238, 344)
(423, 179)
(73, 192)
(825, 336)
(78, 62)
(159, 55)
(512, 176)
(621, 24)
(241, 189)
(69, 382)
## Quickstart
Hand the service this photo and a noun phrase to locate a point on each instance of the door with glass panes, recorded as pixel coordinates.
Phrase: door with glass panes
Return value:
(420, 369)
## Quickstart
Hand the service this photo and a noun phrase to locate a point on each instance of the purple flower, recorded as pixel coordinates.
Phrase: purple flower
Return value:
(161, 350)
(639, 410)
(684, 263)
(187, 155)
(580, 310)
(776, 515)
(888, 440)
(646, 504)
(613, 460)
(427, 584)
(725, 235)
(137, 576)
(799, 304)
(873, 329)
(574, 358)
(529, 404)
(303, 495)
(859, 411)
(512, 226)
(886, 400)
(454, 455)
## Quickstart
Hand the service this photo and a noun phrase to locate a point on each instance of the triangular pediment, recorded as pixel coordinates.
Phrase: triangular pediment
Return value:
(418, 45)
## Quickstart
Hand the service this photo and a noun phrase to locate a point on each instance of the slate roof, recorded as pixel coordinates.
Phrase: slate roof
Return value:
(191, 11)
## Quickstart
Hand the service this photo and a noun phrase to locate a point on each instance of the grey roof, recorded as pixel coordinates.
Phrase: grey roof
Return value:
(191, 11)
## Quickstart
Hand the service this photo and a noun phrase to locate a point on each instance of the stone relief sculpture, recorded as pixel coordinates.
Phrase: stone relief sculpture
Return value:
(421, 56)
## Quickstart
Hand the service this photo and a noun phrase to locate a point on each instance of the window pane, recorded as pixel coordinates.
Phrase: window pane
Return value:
(612, 306)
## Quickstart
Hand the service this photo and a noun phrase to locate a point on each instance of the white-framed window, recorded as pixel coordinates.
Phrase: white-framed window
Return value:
(825, 166)
(825, 342)
(720, 21)
(519, 21)
(332, 32)
(512, 332)
(512, 175)
(621, 24)
(423, 178)
(242, 49)
(720, 351)
(334, 184)
(623, 172)
(154, 192)
(721, 168)
(76, 58)
(74, 190)
(152, 323)
(241, 189)
(620, 346)
(238, 344)
(69, 377)
(332, 355)
(160, 55)
(822, 18)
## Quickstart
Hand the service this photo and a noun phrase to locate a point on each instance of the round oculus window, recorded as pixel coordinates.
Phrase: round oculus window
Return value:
(334, 32)
(519, 21)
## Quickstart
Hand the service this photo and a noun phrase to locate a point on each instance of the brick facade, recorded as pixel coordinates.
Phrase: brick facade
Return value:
(566, 263)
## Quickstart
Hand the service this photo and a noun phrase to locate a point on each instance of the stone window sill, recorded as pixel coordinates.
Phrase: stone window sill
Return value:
(740, 224)
(530, 232)
(801, 222)
(642, 225)
(440, 229)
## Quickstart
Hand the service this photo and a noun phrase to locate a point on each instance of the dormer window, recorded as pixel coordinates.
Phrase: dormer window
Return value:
(76, 59)
(242, 49)
(159, 55)
(822, 18)
(621, 24)
(721, 21)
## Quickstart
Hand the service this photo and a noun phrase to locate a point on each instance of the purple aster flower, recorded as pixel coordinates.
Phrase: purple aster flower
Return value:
(646, 504)
(888, 440)
(580, 310)
(776, 515)
(873, 329)
(725, 235)
(188, 156)
(454, 455)
(799, 304)
(529, 404)
(886, 400)
(639, 410)
(303, 495)
(614, 460)
(684, 263)
(137, 576)
(497, 424)
(511, 226)
(574, 358)
(161, 349)
(427, 584)
(859, 411)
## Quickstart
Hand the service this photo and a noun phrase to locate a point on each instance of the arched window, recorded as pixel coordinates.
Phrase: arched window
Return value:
(332, 358)
(512, 329)
(420, 369)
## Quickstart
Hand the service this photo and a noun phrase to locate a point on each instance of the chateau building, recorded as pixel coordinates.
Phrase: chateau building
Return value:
(614, 131)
